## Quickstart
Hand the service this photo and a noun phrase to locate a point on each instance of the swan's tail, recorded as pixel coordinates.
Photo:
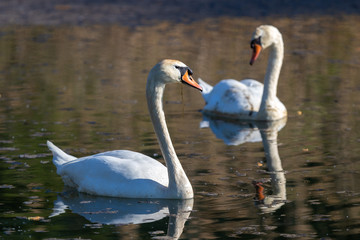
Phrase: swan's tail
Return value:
(60, 157)
(207, 88)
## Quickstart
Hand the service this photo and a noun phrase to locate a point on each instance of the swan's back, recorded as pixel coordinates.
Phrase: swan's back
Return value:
(233, 98)
(116, 172)
(119, 173)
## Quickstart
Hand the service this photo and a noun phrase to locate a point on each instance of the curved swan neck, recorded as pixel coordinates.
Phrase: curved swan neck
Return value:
(154, 93)
(178, 181)
(272, 72)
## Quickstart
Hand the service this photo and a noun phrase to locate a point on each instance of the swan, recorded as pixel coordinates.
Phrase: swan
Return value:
(128, 174)
(249, 99)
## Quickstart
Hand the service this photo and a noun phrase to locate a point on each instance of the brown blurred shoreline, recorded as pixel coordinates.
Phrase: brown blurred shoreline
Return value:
(145, 12)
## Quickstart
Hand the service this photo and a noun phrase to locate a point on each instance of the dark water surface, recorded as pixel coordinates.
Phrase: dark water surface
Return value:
(83, 87)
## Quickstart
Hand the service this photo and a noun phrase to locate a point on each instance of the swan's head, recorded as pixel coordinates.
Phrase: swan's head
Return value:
(263, 37)
(173, 71)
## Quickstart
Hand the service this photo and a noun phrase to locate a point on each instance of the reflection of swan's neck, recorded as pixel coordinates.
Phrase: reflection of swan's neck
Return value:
(179, 185)
(272, 73)
(179, 214)
(273, 162)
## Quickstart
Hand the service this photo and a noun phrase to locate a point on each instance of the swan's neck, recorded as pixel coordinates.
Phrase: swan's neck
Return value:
(272, 74)
(179, 185)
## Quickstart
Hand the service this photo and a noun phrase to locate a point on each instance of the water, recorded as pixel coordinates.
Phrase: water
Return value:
(83, 87)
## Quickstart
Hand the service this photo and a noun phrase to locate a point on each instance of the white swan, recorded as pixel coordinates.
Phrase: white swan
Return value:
(249, 99)
(129, 174)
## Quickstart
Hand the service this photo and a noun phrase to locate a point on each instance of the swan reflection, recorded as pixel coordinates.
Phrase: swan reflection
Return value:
(236, 133)
(120, 211)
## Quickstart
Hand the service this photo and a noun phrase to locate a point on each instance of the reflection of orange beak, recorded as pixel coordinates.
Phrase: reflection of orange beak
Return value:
(190, 81)
(259, 191)
(256, 52)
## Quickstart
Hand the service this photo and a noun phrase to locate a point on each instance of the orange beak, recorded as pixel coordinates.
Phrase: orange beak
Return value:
(256, 53)
(186, 78)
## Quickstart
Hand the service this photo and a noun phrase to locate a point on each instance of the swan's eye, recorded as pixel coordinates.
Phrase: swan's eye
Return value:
(183, 70)
(190, 71)
(255, 41)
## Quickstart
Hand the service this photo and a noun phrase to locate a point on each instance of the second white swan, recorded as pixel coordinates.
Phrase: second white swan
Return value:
(249, 99)
(129, 174)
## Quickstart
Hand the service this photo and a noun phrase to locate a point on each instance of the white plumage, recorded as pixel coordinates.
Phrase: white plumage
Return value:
(233, 98)
(111, 173)
(249, 99)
